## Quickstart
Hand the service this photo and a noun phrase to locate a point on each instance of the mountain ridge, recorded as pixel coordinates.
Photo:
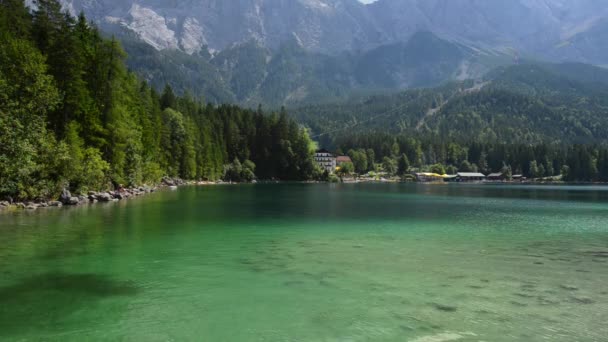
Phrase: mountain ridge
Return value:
(294, 52)
(550, 29)
(250, 74)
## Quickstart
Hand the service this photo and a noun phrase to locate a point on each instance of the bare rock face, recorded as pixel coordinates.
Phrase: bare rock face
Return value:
(319, 25)
(152, 27)
(554, 28)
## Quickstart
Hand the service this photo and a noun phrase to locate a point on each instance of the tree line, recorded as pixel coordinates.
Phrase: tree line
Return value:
(72, 115)
(401, 154)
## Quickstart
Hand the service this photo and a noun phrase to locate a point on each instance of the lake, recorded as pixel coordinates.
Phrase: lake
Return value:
(312, 262)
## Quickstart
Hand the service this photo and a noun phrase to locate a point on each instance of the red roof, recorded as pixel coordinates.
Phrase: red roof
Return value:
(344, 159)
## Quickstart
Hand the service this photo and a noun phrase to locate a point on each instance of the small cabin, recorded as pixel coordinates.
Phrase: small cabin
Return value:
(519, 178)
(497, 177)
(470, 177)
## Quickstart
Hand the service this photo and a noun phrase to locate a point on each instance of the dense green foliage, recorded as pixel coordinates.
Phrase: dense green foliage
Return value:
(72, 115)
(400, 154)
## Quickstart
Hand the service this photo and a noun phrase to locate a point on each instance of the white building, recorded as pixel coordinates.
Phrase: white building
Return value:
(326, 160)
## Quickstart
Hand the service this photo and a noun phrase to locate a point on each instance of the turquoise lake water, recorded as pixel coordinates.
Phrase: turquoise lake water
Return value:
(312, 262)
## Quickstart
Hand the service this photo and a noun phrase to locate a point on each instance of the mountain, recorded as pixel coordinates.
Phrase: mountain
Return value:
(527, 103)
(251, 74)
(538, 28)
(542, 28)
(293, 52)
(190, 25)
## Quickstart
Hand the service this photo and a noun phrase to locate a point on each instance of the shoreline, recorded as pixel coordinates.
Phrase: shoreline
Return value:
(69, 200)
(93, 197)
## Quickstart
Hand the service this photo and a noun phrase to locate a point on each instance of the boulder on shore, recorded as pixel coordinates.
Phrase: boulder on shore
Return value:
(105, 197)
(168, 181)
(55, 204)
(65, 197)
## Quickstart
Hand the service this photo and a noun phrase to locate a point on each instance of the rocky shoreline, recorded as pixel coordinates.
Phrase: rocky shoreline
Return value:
(68, 199)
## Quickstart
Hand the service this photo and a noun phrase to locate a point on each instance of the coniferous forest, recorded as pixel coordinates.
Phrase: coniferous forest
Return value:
(72, 116)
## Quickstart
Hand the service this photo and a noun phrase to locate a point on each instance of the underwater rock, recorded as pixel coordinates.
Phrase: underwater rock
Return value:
(582, 300)
(518, 303)
(445, 308)
(293, 283)
(523, 295)
(443, 337)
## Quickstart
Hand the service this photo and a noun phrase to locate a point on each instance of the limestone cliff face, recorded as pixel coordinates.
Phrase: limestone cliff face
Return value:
(559, 29)
(319, 25)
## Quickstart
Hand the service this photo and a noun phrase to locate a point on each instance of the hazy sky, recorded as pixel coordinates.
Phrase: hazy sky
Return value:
(367, 1)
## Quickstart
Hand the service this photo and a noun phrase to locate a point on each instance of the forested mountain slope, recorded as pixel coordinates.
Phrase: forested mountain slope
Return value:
(527, 103)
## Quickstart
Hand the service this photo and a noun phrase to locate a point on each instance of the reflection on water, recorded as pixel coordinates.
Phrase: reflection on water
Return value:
(313, 263)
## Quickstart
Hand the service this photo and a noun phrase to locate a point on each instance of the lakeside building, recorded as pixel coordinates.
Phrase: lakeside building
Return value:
(519, 178)
(326, 160)
(343, 159)
(497, 177)
(469, 177)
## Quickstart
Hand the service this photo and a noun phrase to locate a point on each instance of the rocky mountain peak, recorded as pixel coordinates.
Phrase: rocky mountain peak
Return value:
(534, 27)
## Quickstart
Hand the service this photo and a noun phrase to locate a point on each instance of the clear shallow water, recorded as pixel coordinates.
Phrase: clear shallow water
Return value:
(297, 262)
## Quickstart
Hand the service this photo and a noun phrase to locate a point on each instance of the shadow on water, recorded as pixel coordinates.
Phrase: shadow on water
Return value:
(90, 284)
(45, 299)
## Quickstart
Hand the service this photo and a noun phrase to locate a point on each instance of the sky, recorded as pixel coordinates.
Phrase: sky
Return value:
(367, 1)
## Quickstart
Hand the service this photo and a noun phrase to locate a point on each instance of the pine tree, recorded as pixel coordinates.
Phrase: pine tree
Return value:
(15, 19)
(403, 165)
